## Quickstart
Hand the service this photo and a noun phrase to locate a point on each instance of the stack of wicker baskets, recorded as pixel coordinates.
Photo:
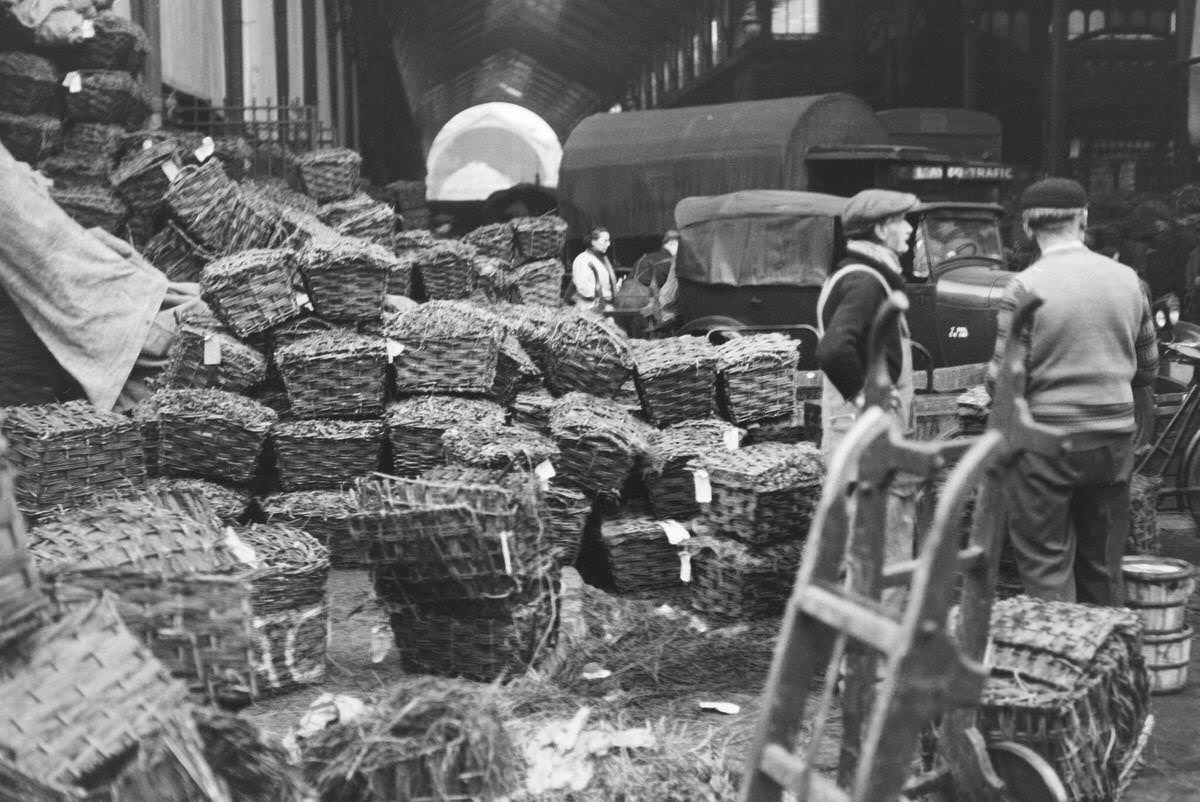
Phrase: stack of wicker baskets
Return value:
(334, 374)
(641, 553)
(322, 454)
(323, 514)
(416, 425)
(757, 378)
(347, 278)
(465, 572)
(252, 290)
(732, 581)
(361, 217)
(588, 355)
(211, 357)
(601, 443)
(445, 347)
(669, 480)
(67, 454)
(676, 378)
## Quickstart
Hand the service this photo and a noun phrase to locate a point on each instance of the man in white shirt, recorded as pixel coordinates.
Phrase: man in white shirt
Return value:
(593, 280)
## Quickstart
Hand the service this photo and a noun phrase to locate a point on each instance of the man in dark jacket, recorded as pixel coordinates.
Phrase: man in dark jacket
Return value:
(1092, 343)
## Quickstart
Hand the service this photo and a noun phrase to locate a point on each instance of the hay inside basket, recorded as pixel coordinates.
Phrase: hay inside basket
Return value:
(445, 346)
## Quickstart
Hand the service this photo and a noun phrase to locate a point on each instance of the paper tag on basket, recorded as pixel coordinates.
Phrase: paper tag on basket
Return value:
(206, 149)
(73, 81)
(506, 551)
(170, 170)
(240, 548)
(87, 29)
(728, 708)
(394, 348)
(685, 565)
(676, 532)
(212, 349)
(703, 486)
(381, 642)
(545, 470)
(147, 143)
(303, 301)
(733, 440)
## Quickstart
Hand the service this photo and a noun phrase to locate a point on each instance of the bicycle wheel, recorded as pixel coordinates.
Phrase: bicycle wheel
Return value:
(1187, 480)
(1027, 775)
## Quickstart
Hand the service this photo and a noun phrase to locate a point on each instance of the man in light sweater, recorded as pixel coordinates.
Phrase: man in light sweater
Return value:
(1091, 343)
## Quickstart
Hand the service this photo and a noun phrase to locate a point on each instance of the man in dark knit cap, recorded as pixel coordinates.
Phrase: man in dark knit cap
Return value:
(877, 235)
(1091, 343)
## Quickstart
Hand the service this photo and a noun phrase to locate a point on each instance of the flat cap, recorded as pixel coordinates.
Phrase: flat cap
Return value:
(1054, 193)
(873, 205)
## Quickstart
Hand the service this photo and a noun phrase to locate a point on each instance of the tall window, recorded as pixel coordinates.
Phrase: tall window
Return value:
(796, 17)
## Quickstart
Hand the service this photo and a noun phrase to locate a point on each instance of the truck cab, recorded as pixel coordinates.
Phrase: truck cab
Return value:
(755, 260)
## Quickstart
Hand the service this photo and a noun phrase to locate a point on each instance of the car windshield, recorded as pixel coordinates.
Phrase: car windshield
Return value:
(943, 237)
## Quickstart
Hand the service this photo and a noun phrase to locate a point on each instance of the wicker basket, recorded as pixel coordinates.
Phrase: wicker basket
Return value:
(324, 514)
(638, 554)
(119, 44)
(291, 609)
(493, 239)
(252, 291)
(199, 197)
(568, 510)
(97, 139)
(329, 174)
(206, 357)
(22, 605)
(347, 278)
(539, 282)
(670, 483)
(176, 254)
(757, 378)
(77, 169)
(229, 505)
(483, 446)
(30, 138)
(1143, 515)
(765, 493)
(445, 346)
(533, 326)
(334, 374)
(109, 96)
(447, 269)
(415, 240)
(360, 216)
(67, 454)
(601, 443)
(730, 582)
(532, 410)
(416, 425)
(143, 177)
(64, 723)
(1069, 681)
(540, 237)
(515, 372)
(252, 222)
(207, 433)
(277, 191)
(480, 648)
(676, 378)
(92, 207)
(587, 355)
(321, 454)
(29, 84)
(400, 275)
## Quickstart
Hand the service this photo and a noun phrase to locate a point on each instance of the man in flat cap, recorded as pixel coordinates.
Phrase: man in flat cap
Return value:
(877, 234)
(1092, 342)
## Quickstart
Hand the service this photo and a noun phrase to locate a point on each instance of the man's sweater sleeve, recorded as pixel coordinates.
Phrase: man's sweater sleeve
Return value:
(1147, 348)
(842, 351)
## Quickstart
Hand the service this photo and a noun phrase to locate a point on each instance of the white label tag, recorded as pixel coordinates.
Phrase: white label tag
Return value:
(303, 301)
(240, 548)
(171, 171)
(381, 642)
(675, 531)
(506, 551)
(206, 149)
(394, 348)
(703, 486)
(728, 708)
(147, 144)
(733, 440)
(545, 470)
(596, 672)
(87, 29)
(212, 350)
(685, 565)
(73, 82)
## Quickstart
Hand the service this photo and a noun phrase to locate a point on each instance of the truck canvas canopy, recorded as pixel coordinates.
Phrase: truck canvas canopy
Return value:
(758, 237)
(627, 170)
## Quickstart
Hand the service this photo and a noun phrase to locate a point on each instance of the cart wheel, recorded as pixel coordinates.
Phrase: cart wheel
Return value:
(1189, 476)
(1027, 775)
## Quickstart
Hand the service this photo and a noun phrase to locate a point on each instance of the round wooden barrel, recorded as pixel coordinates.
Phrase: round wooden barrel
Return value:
(1158, 588)
(1167, 656)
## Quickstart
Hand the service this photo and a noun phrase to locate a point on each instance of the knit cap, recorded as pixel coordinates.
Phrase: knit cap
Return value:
(1054, 193)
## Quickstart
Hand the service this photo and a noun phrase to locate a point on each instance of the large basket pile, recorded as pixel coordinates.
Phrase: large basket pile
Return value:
(252, 290)
(347, 278)
(323, 454)
(67, 454)
(291, 609)
(601, 443)
(203, 357)
(334, 374)
(765, 493)
(324, 514)
(588, 355)
(177, 586)
(676, 378)
(757, 378)
(733, 582)
(670, 482)
(207, 433)
(445, 347)
(329, 174)
(1069, 681)
(639, 554)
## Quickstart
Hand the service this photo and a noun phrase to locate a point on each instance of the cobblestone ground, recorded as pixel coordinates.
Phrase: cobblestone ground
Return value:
(1172, 770)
